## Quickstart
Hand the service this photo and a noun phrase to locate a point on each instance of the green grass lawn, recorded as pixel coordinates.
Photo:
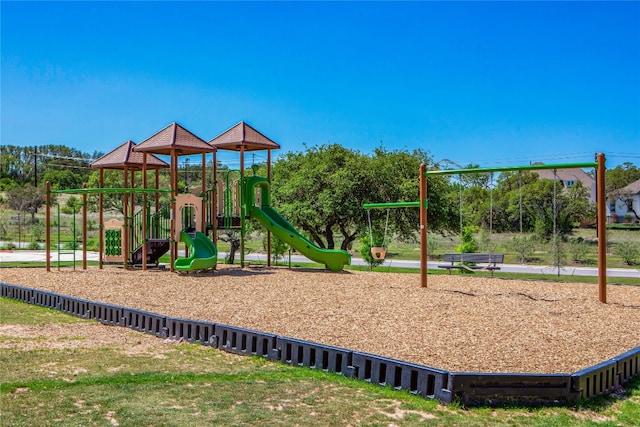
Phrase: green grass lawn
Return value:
(141, 380)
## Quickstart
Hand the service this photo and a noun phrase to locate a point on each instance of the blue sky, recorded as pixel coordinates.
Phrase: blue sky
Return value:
(493, 83)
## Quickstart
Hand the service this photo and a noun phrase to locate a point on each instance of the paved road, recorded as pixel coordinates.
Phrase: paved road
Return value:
(14, 256)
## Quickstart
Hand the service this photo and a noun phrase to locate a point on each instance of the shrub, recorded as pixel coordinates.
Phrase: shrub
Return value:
(629, 252)
(469, 244)
(432, 245)
(93, 245)
(72, 245)
(578, 250)
(524, 246)
(365, 250)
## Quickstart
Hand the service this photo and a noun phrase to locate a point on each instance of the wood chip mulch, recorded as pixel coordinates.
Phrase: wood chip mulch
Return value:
(458, 323)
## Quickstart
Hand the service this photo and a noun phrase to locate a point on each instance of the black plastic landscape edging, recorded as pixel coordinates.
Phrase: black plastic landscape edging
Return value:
(470, 388)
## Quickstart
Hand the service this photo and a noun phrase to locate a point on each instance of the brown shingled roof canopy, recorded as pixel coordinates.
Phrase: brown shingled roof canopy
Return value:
(176, 137)
(243, 135)
(124, 157)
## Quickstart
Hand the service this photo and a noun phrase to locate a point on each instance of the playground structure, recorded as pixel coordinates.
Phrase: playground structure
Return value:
(193, 218)
(436, 383)
(422, 204)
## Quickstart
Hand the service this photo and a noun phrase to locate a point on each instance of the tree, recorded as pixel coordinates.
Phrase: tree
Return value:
(62, 179)
(26, 199)
(322, 192)
(395, 178)
(476, 206)
(510, 187)
(29, 164)
(621, 176)
(323, 189)
(73, 205)
(115, 179)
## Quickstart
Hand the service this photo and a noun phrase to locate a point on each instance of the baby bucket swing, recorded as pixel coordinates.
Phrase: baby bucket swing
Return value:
(378, 252)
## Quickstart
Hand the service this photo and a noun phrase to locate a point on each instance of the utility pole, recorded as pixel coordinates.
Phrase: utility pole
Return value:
(35, 166)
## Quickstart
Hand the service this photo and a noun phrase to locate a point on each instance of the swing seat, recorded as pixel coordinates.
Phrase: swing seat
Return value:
(378, 252)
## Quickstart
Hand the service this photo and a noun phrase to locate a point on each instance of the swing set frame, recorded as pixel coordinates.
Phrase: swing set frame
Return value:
(599, 164)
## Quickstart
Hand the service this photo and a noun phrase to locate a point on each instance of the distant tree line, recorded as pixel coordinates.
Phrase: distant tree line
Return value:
(322, 189)
(63, 166)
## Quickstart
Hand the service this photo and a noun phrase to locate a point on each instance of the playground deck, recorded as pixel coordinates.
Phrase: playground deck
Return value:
(459, 323)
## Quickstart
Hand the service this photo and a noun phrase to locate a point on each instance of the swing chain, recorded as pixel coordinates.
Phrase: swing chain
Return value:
(386, 227)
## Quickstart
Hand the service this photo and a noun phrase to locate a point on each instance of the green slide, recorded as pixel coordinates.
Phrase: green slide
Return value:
(334, 260)
(203, 253)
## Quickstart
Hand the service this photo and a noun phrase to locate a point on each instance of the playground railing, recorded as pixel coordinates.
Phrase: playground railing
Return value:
(158, 227)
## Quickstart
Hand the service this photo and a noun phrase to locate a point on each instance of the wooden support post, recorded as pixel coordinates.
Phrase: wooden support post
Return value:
(84, 228)
(602, 228)
(203, 189)
(241, 188)
(423, 226)
(47, 231)
(101, 219)
(174, 186)
(125, 229)
(269, 232)
(145, 212)
(214, 198)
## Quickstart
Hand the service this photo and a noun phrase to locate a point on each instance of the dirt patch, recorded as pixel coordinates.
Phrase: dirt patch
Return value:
(458, 323)
(77, 335)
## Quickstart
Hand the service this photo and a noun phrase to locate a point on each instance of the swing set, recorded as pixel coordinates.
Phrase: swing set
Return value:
(380, 252)
(599, 164)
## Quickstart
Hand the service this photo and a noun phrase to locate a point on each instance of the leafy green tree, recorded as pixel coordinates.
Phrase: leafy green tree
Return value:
(575, 204)
(72, 205)
(322, 191)
(63, 179)
(507, 195)
(112, 179)
(395, 178)
(570, 207)
(476, 206)
(115, 179)
(621, 176)
(7, 183)
(29, 164)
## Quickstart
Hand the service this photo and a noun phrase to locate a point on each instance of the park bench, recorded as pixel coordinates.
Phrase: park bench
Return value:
(472, 262)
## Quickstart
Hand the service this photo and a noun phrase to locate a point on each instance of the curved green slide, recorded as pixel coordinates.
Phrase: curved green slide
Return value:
(203, 253)
(333, 259)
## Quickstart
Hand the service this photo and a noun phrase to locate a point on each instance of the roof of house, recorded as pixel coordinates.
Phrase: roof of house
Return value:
(243, 136)
(124, 157)
(567, 175)
(177, 139)
(633, 188)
